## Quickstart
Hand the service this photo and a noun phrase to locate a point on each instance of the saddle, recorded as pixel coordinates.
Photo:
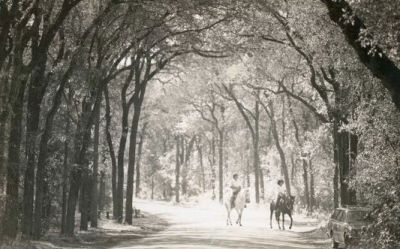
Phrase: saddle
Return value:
(233, 198)
(280, 202)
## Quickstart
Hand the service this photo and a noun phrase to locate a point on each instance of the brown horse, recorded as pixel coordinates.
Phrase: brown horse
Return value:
(285, 206)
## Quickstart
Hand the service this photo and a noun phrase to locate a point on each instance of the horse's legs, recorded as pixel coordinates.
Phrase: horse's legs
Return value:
(291, 220)
(277, 216)
(240, 218)
(270, 216)
(228, 218)
(283, 220)
(237, 220)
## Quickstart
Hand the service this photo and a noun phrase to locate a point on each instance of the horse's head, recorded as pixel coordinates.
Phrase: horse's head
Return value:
(247, 195)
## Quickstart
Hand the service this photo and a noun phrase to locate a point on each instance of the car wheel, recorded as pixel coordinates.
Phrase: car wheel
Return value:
(347, 241)
(334, 243)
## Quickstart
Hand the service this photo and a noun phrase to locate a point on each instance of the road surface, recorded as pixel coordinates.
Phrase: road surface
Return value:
(203, 226)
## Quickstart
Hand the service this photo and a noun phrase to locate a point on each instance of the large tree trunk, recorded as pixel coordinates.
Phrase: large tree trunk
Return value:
(35, 96)
(10, 220)
(4, 121)
(378, 63)
(85, 195)
(82, 139)
(347, 154)
(94, 190)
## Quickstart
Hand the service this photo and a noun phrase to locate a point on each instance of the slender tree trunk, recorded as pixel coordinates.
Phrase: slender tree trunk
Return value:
(65, 177)
(94, 190)
(139, 160)
(279, 148)
(120, 165)
(152, 186)
(188, 153)
(184, 149)
(212, 164)
(248, 172)
(262, 194)
(293, 172)
(283, 119)
(102, 192)
(177, 169)
(201, 163)
(336, 164)
(132, 158)
(112, 153)
(312, 187)
(256, 170)
(221, 165)
(256, 148)
(306, 187)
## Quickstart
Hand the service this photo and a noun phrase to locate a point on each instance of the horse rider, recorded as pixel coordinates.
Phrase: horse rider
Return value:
(280, 193)
(236, 187)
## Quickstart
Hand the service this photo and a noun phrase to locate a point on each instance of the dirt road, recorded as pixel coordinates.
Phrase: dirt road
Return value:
(203, 226)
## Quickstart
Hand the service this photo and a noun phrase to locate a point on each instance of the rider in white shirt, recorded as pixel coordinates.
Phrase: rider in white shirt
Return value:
(280, 192)
(236, 187)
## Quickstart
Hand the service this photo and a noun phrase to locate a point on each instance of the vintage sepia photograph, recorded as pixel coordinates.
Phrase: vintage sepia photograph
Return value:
(199, 124)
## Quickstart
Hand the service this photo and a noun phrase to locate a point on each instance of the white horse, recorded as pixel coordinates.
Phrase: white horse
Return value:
(242, 198)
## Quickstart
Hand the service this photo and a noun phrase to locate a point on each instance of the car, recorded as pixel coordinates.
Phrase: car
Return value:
(346, 224)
